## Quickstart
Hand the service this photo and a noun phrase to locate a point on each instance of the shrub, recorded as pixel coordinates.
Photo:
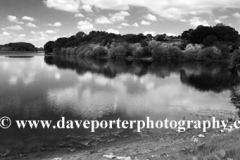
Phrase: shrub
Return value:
(138, 52)
(144, 43)
(146, 52)
(175, 53)
(211, 54)
(62, 51)
(193, 47)
(153, 43)
(192, 54)
(225, 51)
(234, 47)
(73, 51)
(88, 53)
(235, 57)
(160, 52)
(135, 50)
(79, 52)
(84, 51)
(100, 51)
(68, 51)
(183, 45)
(117, 52)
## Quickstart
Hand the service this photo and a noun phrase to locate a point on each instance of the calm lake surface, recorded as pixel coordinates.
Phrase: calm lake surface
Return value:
(38, 87)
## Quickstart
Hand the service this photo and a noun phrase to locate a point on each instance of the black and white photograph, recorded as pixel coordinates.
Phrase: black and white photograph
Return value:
(119, 79)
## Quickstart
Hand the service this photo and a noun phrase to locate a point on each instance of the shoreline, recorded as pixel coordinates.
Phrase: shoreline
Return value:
(151, 145)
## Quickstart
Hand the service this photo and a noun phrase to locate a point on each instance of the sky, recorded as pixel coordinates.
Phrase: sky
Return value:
(38, 21)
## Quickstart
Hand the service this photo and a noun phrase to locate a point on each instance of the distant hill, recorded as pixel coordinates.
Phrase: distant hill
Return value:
(18, 46)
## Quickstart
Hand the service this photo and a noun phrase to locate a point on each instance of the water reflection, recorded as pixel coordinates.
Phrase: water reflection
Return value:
(146, 86)
(53, 86)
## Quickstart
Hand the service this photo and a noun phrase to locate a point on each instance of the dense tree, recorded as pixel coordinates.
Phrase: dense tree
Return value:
(71, 42)
(161, 37)
(79, 35)
(18, 46)
(186, 35)
(200, 33)
(60, 42)
(210, 40)
(48, 47)
(225, 33)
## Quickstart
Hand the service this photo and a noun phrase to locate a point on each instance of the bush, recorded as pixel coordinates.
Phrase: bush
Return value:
(85, 51)
(183, 45)
(225, 51)
(175, 53)
(193, 47)
(100, 51)
(160, 52)
(192, 54)
(62, 51)
(135, 50)
(117, 52)
(146, 52)
(153, 43)
(235, 57)
(68, 51)
(138, 53)
(211, 54)
(79, 52)
(73, 51)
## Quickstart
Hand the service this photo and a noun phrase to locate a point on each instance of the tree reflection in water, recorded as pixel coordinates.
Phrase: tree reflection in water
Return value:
(215, 77)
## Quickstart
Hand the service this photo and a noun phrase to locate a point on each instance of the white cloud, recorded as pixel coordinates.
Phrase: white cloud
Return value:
(150, 32)
(29, 24)
(85, 26)
(13, 19)
(196, 21)
(223, 17)
(150, 17)
(22, 35)
(135, 25)
(169, 34)
(217, 21)
(65, 5)
(57, 24)
(145, 22)
(40, 35)
(125, 24)
(236, 15)
(167, 8)
(78, 15)
(28, 18)
(119, 16)
(17, 27)
(113, 31)
(87, 8)
(6, 33)
(102, 20)
(33, 32)
(50, 31)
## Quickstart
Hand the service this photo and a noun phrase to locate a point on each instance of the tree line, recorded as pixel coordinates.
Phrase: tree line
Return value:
(18, 46)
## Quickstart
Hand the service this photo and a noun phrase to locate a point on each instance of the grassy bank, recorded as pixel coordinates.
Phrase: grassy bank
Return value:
(152, 145)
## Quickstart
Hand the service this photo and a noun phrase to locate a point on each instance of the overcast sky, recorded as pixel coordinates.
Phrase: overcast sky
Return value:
(38, 21)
